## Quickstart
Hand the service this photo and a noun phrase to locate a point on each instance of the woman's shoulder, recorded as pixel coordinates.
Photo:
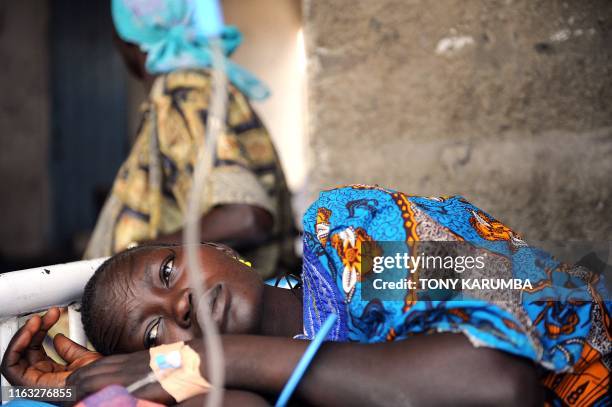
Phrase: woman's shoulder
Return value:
(196, 79)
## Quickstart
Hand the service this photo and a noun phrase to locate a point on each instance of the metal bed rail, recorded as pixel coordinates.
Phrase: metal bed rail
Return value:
(33, 290)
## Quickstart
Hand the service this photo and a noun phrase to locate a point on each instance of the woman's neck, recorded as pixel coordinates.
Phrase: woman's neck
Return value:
(282, 312)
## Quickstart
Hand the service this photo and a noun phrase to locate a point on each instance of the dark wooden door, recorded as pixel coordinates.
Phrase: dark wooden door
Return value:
(89, 105)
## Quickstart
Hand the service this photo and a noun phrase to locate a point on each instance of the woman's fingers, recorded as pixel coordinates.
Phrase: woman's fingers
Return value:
(47, 321)
(50, 318)
(22, 339)
(13, 364)
(72, 352)
(35, 352)
(25, 361)
(27, 342)
(13, 356)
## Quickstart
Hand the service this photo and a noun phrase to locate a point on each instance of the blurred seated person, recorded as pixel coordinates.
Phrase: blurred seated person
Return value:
(247, 203)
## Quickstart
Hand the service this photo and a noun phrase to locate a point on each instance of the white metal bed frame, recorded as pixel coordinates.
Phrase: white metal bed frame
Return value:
(33, 290)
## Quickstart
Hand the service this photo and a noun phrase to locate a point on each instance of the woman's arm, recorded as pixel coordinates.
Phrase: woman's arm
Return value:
(239, 226)
(230, 398)
(438, 369)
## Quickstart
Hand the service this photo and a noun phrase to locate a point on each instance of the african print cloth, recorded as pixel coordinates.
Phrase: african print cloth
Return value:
(562, 324)
(149, 196)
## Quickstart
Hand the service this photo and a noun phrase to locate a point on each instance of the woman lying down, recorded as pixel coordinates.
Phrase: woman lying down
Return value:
(550, 345)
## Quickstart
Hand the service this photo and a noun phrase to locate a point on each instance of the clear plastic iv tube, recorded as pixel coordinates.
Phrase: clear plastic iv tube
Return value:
(201, 185)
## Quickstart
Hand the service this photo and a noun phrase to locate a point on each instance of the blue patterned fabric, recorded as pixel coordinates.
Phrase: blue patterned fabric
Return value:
(563, 324)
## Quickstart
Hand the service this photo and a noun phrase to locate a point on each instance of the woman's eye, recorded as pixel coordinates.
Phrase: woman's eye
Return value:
(151, 335)
(165, 273)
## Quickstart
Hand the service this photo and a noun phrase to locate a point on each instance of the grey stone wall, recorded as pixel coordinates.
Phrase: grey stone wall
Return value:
(24, 127)
(505, 102)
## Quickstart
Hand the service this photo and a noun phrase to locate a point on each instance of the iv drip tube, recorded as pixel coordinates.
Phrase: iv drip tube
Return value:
(208, 14)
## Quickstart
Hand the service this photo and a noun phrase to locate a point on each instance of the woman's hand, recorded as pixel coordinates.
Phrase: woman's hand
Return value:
(124, 370)
(25, 362)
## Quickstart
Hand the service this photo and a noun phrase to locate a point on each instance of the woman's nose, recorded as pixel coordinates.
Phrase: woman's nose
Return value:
(183, 310)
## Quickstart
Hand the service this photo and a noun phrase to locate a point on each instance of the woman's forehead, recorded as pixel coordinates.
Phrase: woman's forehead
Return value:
(143, 264)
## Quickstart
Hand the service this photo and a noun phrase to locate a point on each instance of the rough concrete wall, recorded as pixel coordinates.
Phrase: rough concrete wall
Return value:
(271, 51)
(24, 127)
(504, 102)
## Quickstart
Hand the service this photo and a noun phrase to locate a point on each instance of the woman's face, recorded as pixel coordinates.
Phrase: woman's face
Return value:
(160, 307)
